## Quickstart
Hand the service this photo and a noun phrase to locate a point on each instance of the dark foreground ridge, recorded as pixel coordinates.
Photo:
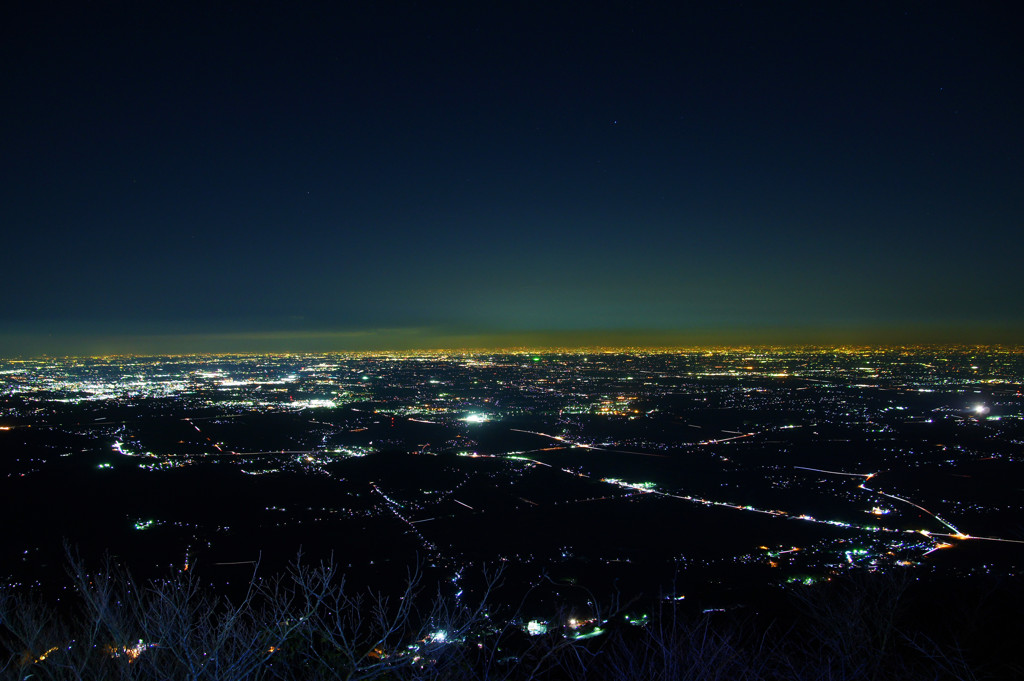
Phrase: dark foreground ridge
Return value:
(308, 623)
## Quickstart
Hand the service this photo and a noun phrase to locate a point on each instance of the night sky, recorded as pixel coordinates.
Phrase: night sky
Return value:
(360, 175)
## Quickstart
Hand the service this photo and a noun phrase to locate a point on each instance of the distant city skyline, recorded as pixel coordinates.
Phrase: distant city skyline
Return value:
(413, 340)
(335, 177)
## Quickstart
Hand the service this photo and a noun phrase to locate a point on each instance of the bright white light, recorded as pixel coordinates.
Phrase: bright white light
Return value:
(475, 418)
(980, 409)
(536, 628)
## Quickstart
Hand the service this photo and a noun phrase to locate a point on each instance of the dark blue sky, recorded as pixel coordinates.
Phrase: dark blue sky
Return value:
(330, 176)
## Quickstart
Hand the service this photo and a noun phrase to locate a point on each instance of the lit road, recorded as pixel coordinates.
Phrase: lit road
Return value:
(956, 532)
(570, 443)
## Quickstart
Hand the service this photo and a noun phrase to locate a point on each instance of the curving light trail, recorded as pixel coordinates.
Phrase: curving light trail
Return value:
(957, 532)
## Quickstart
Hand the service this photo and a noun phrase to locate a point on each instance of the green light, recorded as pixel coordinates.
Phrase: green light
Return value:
(637, 621)
(806, 580)
(590, 634)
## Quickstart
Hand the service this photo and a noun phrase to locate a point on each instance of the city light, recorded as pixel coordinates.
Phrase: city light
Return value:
(866, 456)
